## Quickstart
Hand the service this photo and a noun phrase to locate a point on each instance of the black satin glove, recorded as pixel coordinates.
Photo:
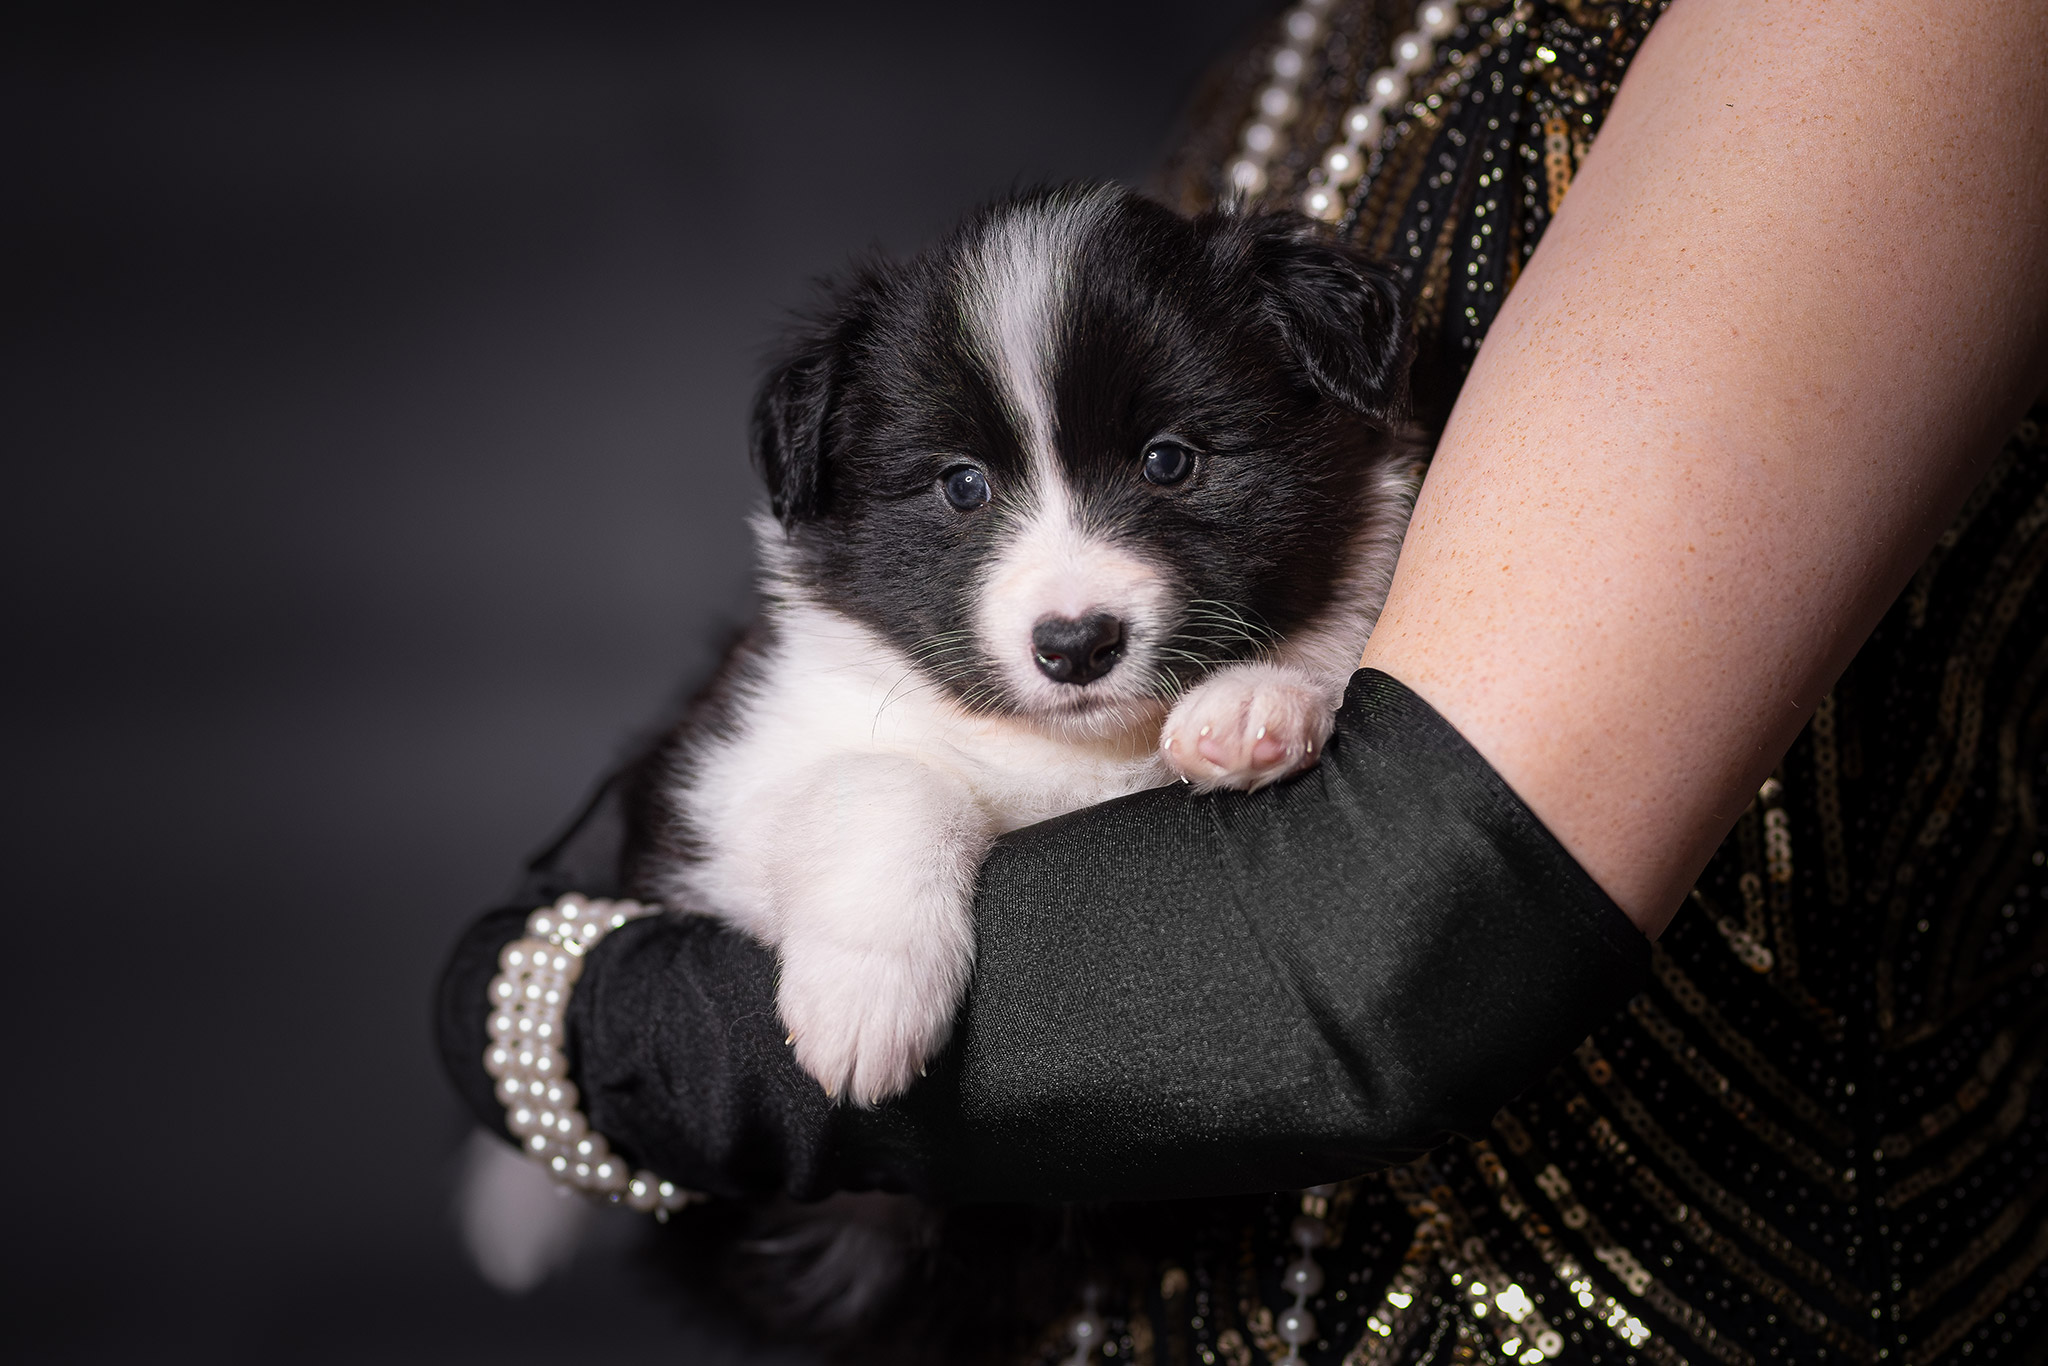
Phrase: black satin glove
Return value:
(1173, 994)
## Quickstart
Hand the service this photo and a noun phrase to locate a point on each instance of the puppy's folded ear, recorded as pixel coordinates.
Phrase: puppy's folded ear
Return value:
(1340, 311)
(789, 428)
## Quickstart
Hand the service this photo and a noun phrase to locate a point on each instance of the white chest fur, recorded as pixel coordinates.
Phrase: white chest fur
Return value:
(842, 818)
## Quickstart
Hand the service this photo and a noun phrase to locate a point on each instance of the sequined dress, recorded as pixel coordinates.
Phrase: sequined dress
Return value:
(1817, 1136)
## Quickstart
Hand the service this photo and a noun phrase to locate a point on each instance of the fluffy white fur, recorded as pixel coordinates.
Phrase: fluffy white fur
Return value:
(844, 816)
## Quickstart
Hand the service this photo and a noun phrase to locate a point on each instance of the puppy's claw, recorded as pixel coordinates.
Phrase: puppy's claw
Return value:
(1254, 724)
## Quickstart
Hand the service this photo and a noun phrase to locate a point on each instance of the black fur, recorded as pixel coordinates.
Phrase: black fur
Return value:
(1277, 353)
(1280, 356)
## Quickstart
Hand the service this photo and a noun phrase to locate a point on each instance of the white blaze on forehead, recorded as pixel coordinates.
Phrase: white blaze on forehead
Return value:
(1018, 277)
(1051, 562)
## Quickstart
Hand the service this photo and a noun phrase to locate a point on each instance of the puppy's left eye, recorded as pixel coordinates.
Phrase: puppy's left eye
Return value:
(966, 487)
(1168, 463)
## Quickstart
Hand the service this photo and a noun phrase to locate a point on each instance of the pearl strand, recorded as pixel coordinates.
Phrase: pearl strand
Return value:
(1279, 102)
(529, 1000)
(1303, 1277)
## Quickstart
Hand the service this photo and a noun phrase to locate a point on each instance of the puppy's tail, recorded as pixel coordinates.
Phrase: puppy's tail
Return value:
(519, 1226)
(832, 1269)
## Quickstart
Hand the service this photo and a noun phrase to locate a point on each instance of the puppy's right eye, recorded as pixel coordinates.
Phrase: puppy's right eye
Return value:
(966, 487)
(1168, 463)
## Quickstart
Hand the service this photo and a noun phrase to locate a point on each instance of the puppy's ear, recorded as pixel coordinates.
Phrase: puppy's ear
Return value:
(789, 428)
(1340, 312)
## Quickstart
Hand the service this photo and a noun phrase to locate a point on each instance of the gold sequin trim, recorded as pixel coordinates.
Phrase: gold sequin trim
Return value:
(1744, 1110)
(1694, 1002)
(1682, 1164)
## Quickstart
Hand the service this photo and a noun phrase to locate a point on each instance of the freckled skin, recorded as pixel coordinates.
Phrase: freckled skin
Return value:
(1796, 295)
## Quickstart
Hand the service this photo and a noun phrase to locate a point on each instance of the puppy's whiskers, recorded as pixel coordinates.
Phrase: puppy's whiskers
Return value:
(942, 659)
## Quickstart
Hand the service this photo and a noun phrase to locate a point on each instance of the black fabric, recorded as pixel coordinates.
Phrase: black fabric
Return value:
(1174, 995)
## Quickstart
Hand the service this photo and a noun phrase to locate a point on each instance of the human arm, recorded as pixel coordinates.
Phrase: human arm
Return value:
(1076, 1069)
(1175, 994)
(1796, 294)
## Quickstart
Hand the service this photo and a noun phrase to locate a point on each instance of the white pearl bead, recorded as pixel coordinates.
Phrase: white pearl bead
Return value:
(1302, 26)
(1247, 176)
(1324, 203)
(1364, 123)
(1343, 164)
(1276, 102)
(1288, 63)
(1302, 1277)
(1261, 138)
(1387, 85)
(1437, 19)
(1412, 53)
(510, 1089)
(1295, 1326)
(1309, 1231)
(641, 1193)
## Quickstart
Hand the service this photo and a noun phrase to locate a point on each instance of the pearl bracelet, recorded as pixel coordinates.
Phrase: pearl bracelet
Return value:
(529, 999)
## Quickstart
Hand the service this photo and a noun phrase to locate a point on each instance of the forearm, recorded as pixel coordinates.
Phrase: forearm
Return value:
(1175, 995)
(1794, 297)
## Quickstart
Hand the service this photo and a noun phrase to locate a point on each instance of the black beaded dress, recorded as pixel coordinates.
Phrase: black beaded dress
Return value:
(1817, 1136)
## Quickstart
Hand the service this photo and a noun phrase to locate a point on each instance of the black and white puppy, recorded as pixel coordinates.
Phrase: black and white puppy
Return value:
(1089, 497)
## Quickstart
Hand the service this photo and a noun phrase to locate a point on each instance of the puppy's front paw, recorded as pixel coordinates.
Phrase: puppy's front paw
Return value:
(865, 1021)
(1246, 727)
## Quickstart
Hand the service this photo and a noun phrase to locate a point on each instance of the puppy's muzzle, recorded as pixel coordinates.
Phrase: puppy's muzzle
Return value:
(1077, 652)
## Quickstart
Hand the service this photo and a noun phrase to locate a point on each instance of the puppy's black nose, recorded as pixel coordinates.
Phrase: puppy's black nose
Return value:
(1081, 651)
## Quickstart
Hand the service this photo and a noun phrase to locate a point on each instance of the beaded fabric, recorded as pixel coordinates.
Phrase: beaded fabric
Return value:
(1817, 1137)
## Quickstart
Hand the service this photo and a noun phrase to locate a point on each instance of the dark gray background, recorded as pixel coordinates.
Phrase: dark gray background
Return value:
(374, 396)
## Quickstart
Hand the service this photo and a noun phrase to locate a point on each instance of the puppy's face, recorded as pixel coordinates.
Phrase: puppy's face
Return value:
(1087, 450)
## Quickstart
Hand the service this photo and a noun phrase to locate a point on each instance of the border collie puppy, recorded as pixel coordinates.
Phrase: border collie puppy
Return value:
(1090, 497)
